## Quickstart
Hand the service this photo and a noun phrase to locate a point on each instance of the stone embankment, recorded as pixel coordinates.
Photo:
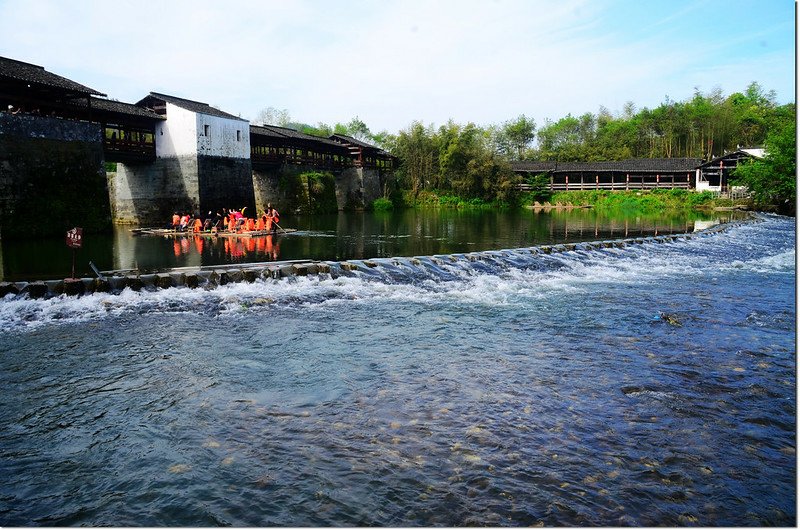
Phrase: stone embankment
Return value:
(211, 277)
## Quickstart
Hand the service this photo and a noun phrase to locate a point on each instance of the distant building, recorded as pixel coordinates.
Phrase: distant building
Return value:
(714, 174)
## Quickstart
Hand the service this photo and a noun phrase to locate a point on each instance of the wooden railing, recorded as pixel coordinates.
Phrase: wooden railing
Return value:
(613, 186)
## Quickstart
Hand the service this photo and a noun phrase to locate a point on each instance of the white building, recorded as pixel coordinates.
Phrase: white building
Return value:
(209, 148)
(197, 129)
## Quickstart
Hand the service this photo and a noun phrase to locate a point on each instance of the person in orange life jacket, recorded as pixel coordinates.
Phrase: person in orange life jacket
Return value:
(273, 214)
(176, 220)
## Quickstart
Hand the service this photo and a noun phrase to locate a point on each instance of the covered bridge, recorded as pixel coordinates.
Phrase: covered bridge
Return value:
(631, 174)
(271, 145)
(365, 155)
(28, 90)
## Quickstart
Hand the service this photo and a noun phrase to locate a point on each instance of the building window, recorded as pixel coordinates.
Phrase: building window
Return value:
(206, 130)
(238, 136)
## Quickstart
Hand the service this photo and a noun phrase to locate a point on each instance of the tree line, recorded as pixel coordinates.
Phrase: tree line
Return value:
(471, 161)
(703, 126)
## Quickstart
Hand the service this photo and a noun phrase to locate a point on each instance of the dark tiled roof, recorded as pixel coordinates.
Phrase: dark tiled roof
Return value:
(284, 132)
(33, 74)
(734, 156)
(344, 139)
(265, 131)
(118, 107)
(648, 165)
(193, 106)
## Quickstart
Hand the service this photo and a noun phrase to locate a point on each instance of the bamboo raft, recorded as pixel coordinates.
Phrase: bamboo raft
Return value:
(168, 232)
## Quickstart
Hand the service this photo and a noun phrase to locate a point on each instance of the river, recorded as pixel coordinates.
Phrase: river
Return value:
(341, 236)
(652, 385)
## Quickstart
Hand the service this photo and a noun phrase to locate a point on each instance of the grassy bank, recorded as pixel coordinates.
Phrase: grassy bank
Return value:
(643, 200)
(632, 201)
(443, 200)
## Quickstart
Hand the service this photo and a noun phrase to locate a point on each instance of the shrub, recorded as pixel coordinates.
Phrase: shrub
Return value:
(382, 204)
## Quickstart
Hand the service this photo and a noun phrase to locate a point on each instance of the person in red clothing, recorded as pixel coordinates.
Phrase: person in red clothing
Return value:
(274, 216)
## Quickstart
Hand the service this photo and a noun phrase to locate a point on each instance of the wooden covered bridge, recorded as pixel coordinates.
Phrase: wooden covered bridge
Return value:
(631, 174)
(127, 130)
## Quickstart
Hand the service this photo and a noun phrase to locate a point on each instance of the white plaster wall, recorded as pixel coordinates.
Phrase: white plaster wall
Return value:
(703, 185)
(222, 137)
(177, 135)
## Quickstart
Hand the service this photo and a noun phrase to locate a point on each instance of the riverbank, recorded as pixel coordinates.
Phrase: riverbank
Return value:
(638, 200)
(645, 201)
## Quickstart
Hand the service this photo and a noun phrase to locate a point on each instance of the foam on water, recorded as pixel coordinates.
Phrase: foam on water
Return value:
(498, 278)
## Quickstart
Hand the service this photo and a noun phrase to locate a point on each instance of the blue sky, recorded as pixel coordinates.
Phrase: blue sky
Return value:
(393, 62)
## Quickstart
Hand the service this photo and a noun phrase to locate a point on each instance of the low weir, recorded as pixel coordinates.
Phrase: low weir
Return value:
(391, 269)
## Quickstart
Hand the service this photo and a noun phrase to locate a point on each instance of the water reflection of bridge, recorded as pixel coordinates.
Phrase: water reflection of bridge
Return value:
(619, 228)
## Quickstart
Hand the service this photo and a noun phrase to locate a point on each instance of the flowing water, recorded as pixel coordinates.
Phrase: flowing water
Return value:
(653, 384)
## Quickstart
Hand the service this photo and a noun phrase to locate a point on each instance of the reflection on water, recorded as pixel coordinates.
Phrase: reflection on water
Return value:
(233, 249)
(344, 236)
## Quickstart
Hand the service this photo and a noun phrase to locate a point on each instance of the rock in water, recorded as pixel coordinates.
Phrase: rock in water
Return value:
(672, 320)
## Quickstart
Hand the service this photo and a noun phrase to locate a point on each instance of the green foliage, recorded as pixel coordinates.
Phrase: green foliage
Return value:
(642, 201)
(309, 192)
(382, 204)
(704, 126)
(455, 160)
(273, 116)
(773, 180)
(516, 136)
(540, 187)
(701, 198)
(321, 192)
(445, 200)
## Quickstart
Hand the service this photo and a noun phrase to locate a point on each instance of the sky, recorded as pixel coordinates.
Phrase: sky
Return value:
(393, 62)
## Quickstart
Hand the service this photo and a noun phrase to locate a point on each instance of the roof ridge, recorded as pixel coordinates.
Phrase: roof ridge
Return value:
(22, 62)
(161, 95)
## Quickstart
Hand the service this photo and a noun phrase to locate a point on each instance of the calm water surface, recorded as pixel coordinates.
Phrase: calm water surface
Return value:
(339, 237)
(521, 389)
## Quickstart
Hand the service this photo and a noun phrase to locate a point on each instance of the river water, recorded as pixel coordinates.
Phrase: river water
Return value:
(653, 384)
(341, 236)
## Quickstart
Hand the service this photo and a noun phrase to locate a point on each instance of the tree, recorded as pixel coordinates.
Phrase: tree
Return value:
(418, 154)
(773, 179)
(519, 134)
(273, 116)
(359, 130)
